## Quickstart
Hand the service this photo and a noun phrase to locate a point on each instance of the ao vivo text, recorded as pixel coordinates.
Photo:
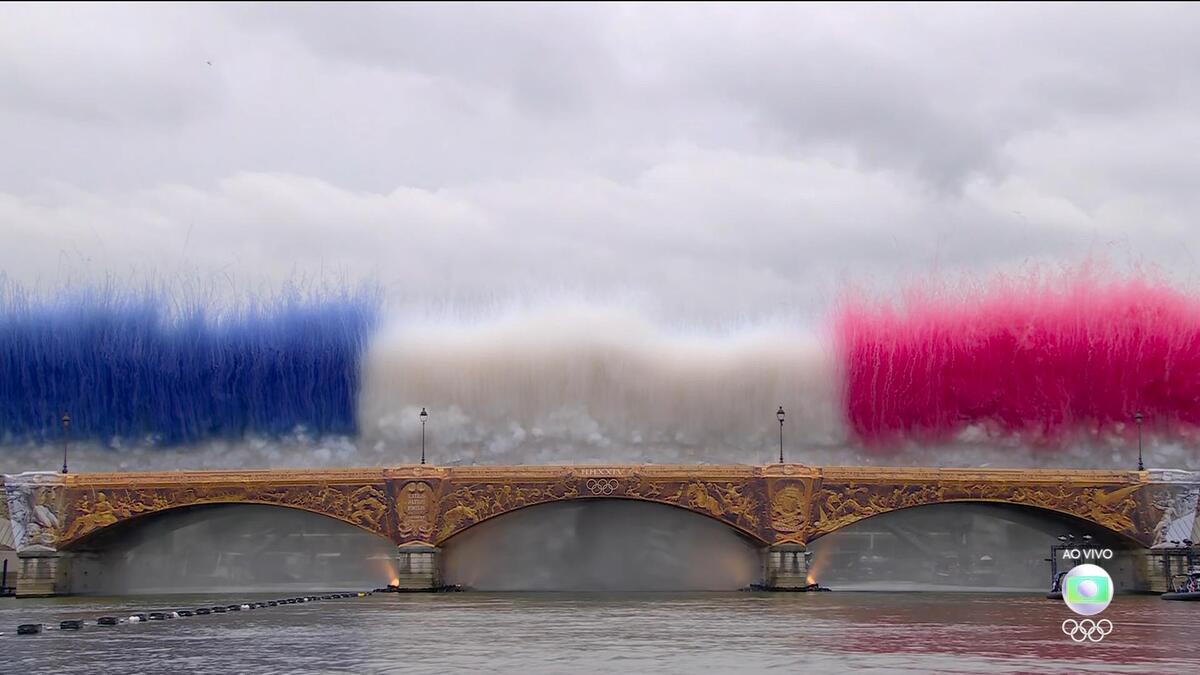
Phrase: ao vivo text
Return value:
(1087, 554)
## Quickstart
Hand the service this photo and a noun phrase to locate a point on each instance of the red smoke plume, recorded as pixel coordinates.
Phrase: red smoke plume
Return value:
(1045, 359)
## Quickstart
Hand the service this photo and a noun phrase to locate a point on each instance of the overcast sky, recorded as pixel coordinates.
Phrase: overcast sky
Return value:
(708, 162)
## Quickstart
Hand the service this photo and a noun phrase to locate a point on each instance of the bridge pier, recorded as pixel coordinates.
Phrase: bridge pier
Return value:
(43, 574)
(418, 567)
(786, 567)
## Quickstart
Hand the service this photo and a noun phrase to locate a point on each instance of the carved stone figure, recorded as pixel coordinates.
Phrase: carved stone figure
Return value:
(32, 510)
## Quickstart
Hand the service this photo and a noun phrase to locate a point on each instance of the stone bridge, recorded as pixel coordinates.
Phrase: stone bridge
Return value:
(780, 507)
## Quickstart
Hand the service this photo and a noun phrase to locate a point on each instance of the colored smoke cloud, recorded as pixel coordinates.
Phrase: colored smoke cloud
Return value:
(1048, 358)
(146, 366)
(1043, 369)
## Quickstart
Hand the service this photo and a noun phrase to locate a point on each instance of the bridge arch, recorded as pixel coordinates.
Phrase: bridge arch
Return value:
(962, 544)
(459, 519)
(213, 546)
(601, 544)
(1125, 508)
(95, 510)
(82, 541)
(1122, 535)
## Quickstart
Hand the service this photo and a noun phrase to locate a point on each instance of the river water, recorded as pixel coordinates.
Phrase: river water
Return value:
(604, 633)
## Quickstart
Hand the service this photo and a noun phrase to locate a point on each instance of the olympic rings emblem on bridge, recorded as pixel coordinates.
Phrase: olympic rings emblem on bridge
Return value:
(602, 486)
(1087, 629)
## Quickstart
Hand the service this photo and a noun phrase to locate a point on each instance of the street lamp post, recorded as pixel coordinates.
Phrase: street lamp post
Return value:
(66, 425)
(424, 416)
(779, 416)
(1137, 417)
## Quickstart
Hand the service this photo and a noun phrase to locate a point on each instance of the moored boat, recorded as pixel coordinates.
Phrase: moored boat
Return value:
(1184, 586)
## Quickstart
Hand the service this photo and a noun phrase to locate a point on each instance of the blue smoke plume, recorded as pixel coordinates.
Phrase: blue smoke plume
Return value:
(143, 366)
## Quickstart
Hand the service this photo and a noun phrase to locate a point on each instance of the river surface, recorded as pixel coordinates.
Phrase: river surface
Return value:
(603, 633)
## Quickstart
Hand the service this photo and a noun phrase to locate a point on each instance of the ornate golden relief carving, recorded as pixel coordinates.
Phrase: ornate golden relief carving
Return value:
(88, 511)
(838, 505)
(772, 502)
(730, 502)
(641, 486)
(469, 504)
(464, 505)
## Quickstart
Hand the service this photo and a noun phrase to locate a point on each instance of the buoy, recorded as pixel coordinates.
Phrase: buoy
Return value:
(72, 624)
(107, 621)
(29, 629)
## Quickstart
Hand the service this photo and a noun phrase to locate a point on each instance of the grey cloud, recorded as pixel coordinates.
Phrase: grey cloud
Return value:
(103, 65)
(942, 91)
(545, 56)
(706, 161)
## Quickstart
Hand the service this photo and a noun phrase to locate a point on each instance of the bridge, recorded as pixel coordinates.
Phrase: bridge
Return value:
(780, 507)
